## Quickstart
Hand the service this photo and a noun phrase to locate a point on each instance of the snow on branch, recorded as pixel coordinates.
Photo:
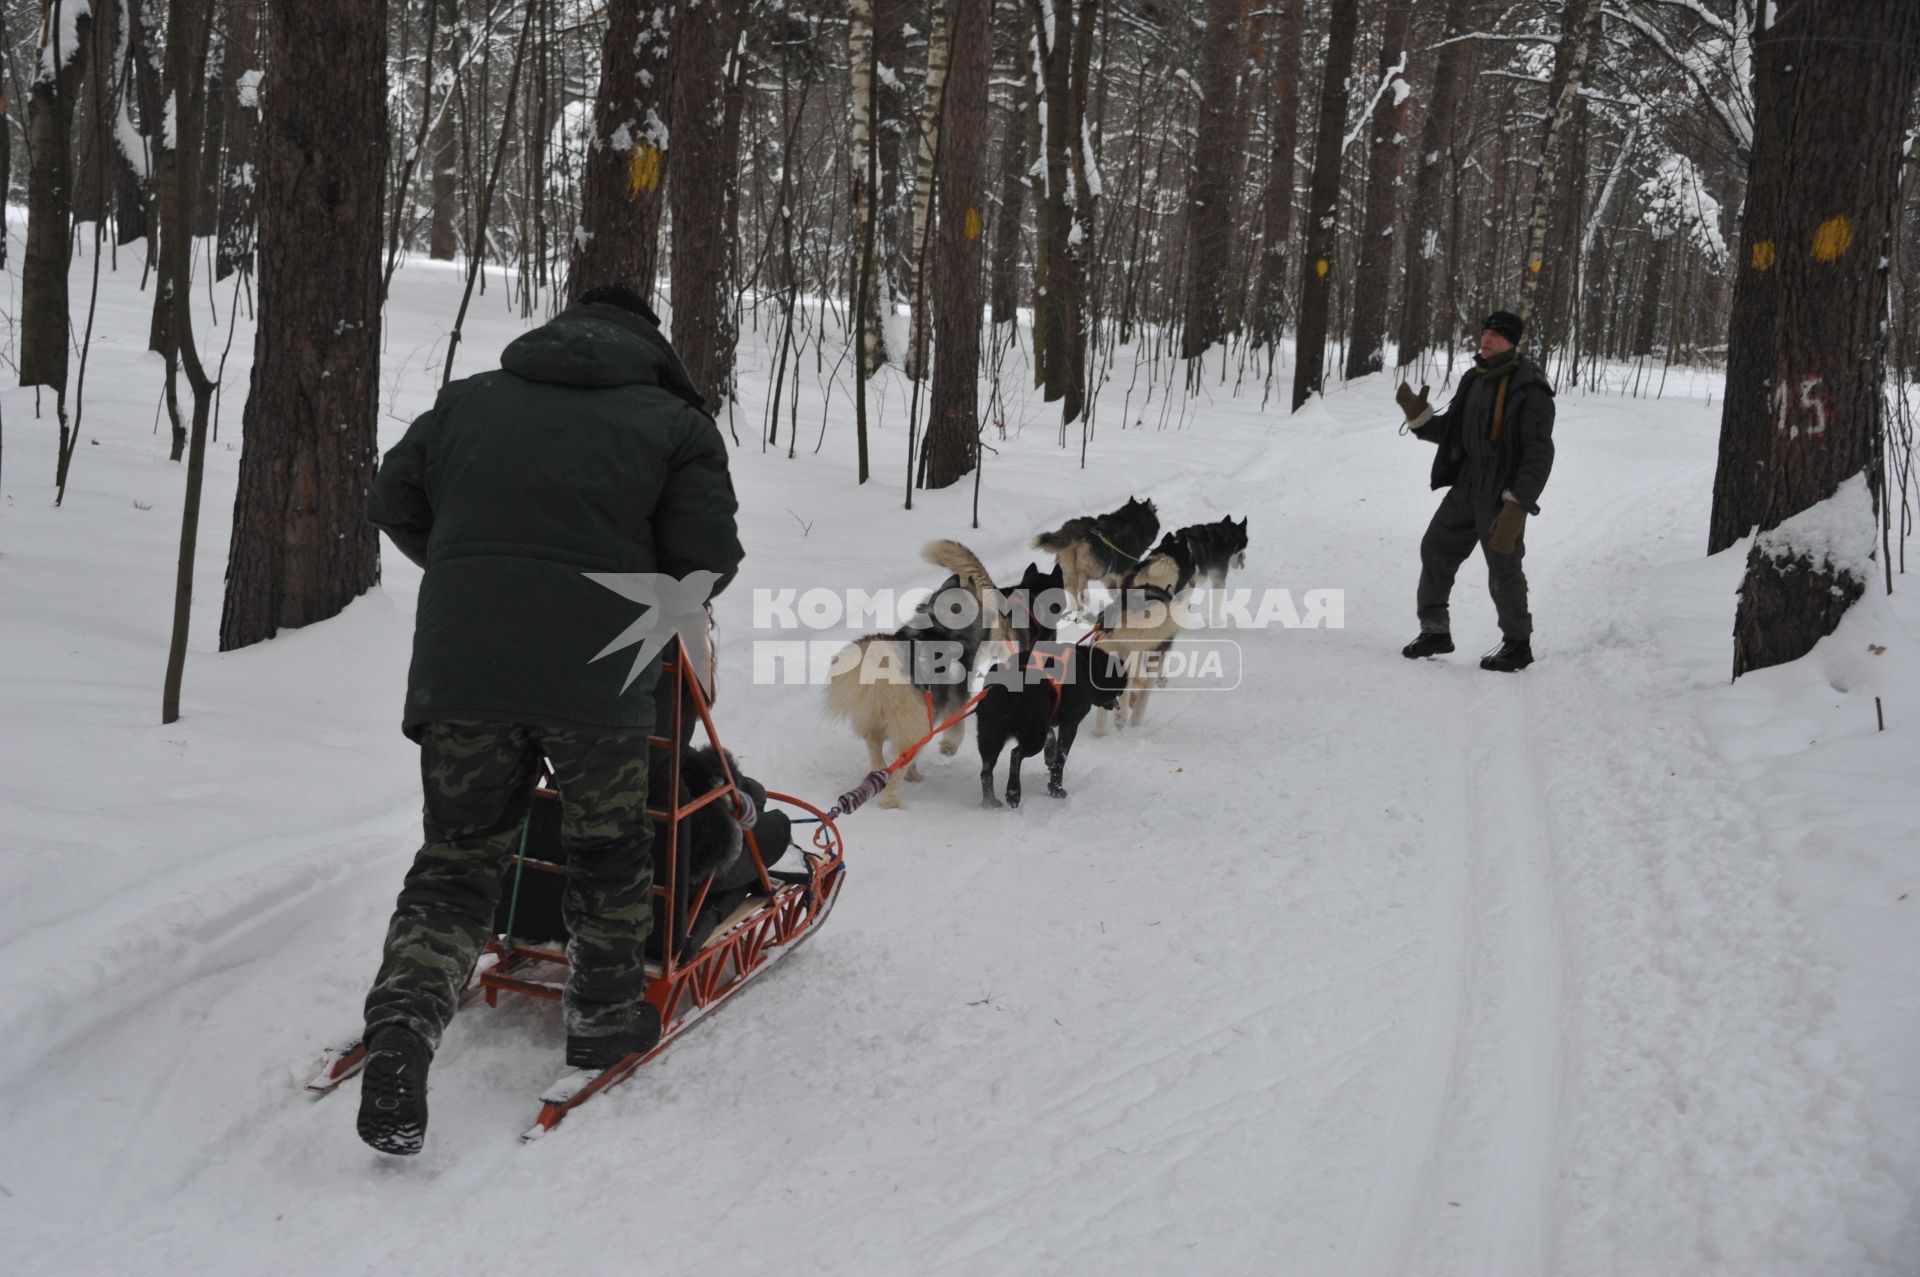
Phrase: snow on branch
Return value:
(1387, 81)
(1518, 38)
(60, 37)
(1700, 11)
(1733, 105)
(1678, 200)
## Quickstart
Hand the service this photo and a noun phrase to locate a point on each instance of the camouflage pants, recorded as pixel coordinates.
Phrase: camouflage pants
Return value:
(478, 779)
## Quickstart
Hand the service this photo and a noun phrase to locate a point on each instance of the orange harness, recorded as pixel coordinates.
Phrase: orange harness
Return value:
(1051, 667)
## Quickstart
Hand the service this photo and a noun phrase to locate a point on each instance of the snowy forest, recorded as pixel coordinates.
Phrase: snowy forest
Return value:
(1357, 181)
(1594, 956)
(1354, 181)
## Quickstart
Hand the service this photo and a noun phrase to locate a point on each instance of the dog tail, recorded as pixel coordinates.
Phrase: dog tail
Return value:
(973, 574)
(1053, 542)
(960, 561)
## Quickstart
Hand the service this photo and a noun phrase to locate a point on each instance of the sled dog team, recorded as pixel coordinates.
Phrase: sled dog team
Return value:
(894, 688)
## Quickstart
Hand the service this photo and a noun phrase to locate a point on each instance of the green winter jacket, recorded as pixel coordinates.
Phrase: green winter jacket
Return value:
(586, 452)
(1519, 458)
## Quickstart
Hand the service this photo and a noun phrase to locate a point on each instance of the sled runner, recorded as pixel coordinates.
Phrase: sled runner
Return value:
(712, 934)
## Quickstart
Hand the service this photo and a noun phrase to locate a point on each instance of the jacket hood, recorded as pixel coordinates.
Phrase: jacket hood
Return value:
(598, 347)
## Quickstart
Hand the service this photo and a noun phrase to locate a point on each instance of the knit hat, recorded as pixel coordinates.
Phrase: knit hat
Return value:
(1507, 324)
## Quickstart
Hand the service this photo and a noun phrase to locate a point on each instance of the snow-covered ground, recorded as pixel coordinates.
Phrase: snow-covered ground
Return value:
(1366, 967)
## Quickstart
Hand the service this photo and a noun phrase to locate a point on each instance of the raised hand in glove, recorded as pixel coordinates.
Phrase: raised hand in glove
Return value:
(1416, 407)
(1507, 525)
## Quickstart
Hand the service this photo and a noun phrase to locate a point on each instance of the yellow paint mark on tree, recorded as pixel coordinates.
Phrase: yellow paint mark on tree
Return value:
(1534, 265)
(1321, 268)
(1763, 255)
(1832, 239)
(643, 169)
(973, 223)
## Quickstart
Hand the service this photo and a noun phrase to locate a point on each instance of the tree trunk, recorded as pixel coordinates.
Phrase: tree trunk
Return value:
(1433, 164)
(1490, 279)
(1387, 128)
(1283, 125)
(1083, 296)
(702, 38)
(1210, 180)
(861, 60)
(892, 127)
(302, 548)
(727, 164)
(953, 412)
(876, 45)
(929, 144)
(1323, 206)
(1843, 88)
(622, 196)
(236, 199)
(220, 88)
(1580, 31)
(443, 188)
(93, 115)
(1746, 437)
(140, 85)
(189, 33)
(43, 283)
(1043, 203)
(6, 148)
(1062, 40)
(1007, 223)
(1548, 329)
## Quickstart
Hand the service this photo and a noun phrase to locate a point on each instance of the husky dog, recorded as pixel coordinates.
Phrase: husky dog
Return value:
(1101, 547)
(1207, 551)
(1141, 625)
(881, 682)
(1216, 547)
(1041, 697)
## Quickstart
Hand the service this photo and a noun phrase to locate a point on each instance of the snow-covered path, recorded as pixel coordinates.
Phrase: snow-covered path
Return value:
(1367, 967)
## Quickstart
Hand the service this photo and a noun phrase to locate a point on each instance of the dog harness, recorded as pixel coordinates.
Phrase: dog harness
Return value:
(1051, 667)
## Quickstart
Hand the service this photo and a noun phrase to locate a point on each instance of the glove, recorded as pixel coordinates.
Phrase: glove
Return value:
(1507, 526)
(1416, 407)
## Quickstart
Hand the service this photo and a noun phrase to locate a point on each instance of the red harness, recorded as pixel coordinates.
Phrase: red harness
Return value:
(1052, 668)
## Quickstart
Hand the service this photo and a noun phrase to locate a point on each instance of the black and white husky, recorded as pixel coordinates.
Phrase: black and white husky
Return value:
(1207, 551)
(1212, 549)
(1101, 547)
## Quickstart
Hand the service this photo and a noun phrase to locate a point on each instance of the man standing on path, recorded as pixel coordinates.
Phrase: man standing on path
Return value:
(543, 499)
(1495, 444)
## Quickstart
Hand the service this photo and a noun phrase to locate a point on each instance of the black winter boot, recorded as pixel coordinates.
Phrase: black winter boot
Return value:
(604, 1050)
(1428, 644)
(393, 1090)
(1513, 656)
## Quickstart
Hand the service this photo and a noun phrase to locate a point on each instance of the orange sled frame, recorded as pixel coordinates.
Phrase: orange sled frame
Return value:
(762, 931)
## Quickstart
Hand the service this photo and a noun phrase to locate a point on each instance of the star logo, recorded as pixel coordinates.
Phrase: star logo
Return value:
(675, 607)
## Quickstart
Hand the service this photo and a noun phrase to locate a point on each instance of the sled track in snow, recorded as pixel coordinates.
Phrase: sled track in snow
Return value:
(1466, 1171)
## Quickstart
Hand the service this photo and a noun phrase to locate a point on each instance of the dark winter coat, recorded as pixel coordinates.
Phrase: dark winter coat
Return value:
(585, 452)
(1519, 458)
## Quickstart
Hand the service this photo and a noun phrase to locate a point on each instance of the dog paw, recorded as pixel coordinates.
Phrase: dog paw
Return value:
(990, 802)
(913, 774)
(949, 747)
(1054, 791)
(889, 799)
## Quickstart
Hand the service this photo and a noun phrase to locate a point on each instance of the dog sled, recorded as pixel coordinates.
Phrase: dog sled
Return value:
(712, 934)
